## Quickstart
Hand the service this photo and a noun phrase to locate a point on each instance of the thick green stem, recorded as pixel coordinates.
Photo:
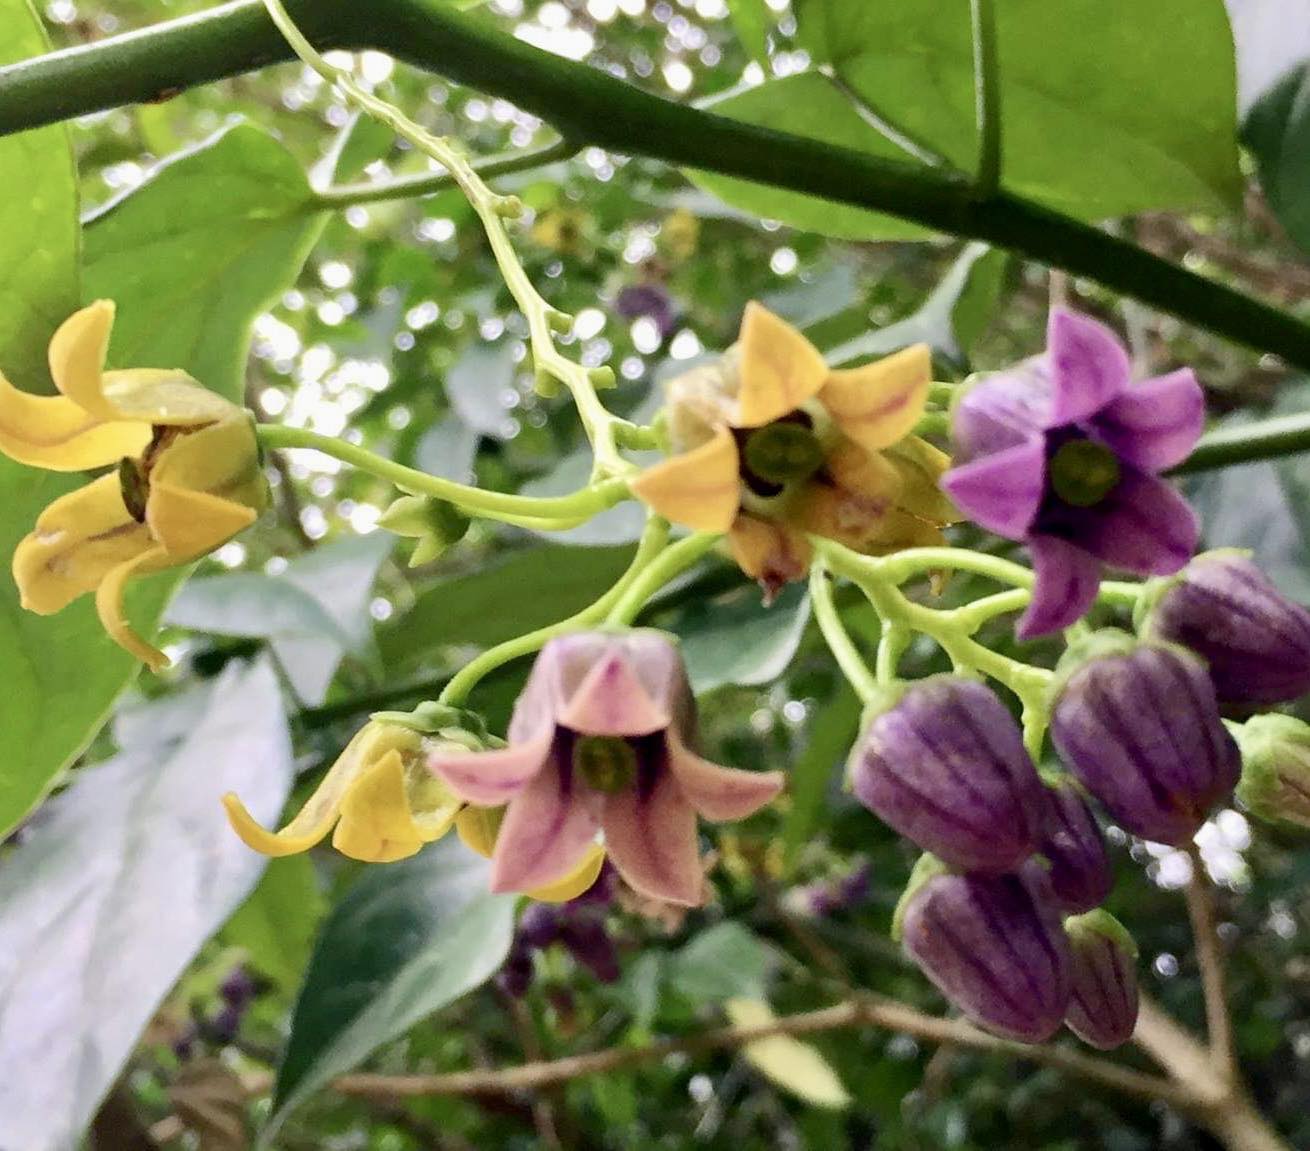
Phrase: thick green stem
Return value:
(837, 638)
(589, 105)
(1263, 440)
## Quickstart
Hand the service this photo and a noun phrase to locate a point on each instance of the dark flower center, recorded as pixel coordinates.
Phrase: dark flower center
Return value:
(783, 452)
(1083, 472)
(607, 763)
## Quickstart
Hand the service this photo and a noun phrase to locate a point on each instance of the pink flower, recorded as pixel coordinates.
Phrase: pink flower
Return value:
(600, 740)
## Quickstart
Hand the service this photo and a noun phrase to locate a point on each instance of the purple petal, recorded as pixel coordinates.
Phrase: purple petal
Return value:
(1143, 526)
(547, 830)
(720, 793)
(1002, 411)
(1067, 581)
(650, 836)
(492, 778)
(1088, 365)
(612, 700)
(1155, 424)
(1001, 492)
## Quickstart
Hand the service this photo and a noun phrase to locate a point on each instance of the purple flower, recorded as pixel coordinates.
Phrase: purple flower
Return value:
(1075, 849)
(946, 767)
(1140, 727)
(1064, 453)
(1103, 1006)
(994, 946)
(238, 989)
(590, 945)
(1255, 640)
(650, 300)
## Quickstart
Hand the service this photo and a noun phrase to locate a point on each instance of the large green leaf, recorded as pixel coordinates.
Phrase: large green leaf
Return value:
(736, 639)
(832, 730)
(723, 961)
(408, 939)
(1277, 130)
(276, 925)
(129, 872)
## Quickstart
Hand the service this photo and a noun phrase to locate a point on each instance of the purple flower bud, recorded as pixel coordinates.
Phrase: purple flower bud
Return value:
(516, 976)
(854, 888)
(184, 1043)
(1140, 727)
(238, 989)
(591, 946)
(1255, 640)
(1103, 1007)
(994, 946)
(650, 300)
(222, 1027)
(1075, 849)
(946, 767)
(601, 893)
(539, 926)
(1276, 768)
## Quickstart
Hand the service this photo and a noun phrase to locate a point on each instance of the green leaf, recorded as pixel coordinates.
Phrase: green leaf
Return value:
(193, 255)
(832, 728)
(276, 925)
(408, 939)
(1106, 108)
(751, 20)
(527, 590)
(736, 639)
(129, 872)
(476, 385)
(620, 524)
(39, 235)
(1277, 130)
(723, 962)
(808, 105)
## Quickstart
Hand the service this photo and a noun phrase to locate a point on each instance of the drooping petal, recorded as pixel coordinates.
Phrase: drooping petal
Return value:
(700, 488)
(378, 823)
(612, 700)
(165, 397)
(650, 834)
(477, 828)
(720, 793)
(576, 882)
(879, 403)
(770, 552)
(780, 369)
(548, 830)
(190, 523)
(53, 432)
(109, 605)
(1143, 526)
(1089, 366)
(1155, 424)
(1001, 492)
(492, 778)
(77, 358)
(1068, 579)
(75, 543)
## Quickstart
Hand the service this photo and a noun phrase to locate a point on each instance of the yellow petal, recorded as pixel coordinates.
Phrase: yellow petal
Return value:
(165, 397)
(76, 542)
(780, 368)
(879, 403)
(921, 466)
(77, 358)
(793, 1065)
(109, 606)
(376, 825)
(188, 524)
(771, 552)
(53, 432)
(576, 882)
(700, 489)
(477, 828)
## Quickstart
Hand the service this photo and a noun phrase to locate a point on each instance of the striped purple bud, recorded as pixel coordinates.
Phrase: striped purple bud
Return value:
(1276, 768)
(1255, 640)
(1079, 869)
(945, 766)
(1103, 1007)
(994, 946)
(1139, 725)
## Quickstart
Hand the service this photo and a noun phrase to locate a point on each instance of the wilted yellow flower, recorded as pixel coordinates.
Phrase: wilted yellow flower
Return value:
(477, 828)
(773, 445)
(188, 477)
(680, 235)
(562, 230)
(380, 795)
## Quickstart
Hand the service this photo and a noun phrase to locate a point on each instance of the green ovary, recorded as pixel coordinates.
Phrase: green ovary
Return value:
(1084, 472)
(783, 453)
(607, 763)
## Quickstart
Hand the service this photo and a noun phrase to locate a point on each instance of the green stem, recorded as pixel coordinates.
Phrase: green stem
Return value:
(670, 563)
(987, 97)
(1263, 440)
(588, 105)
(891, 646)
(837, 638)
(553, 512)
(653, 541)
(901, 566)
(429, 183)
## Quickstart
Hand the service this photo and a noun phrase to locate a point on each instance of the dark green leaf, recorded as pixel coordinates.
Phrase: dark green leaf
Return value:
(129, 872)
(1277, 130)
(408, 939)
(751, 20)
(832, 728)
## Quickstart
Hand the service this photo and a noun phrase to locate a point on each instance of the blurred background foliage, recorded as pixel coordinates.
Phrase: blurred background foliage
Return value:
(397, 333)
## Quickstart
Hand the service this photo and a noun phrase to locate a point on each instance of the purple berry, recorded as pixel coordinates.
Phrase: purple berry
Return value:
(238, 989)
(516, 976)
(1079, 871)
(223, 1025)
(946, 767)
(539, 926)
(590, 944)
(1103, 1007)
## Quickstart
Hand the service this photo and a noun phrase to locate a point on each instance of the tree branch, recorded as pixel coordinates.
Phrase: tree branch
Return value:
(589, 105)
(1209, 958)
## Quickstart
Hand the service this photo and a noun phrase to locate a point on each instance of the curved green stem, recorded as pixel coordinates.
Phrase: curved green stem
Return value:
(901, 566)
(891, 646)
(1263, 440)
(549, 512)
(671, 562)
(837, 638)
(653, 540)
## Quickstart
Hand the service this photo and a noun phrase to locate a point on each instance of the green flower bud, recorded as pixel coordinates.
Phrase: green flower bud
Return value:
(1275, 768)
(436, 524)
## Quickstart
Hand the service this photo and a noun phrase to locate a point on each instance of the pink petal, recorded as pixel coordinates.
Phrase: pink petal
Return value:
(547, 830)
(492, 778)
(650, 835)
(720, 793)
(1089, 366)
(612, 700)
(1155, 424)
(1003, 491)
(1067, 581)
(1143, 526)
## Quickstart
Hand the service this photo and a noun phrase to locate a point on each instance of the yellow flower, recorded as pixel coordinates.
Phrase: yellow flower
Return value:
(188, 474)
(680, 235)
(477, 828)
(562, 230)
(773, 445)
(380, 795)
